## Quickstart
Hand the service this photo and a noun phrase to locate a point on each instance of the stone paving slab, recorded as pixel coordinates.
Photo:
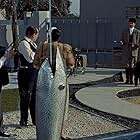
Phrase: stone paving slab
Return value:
(92, 74)
(103, 97)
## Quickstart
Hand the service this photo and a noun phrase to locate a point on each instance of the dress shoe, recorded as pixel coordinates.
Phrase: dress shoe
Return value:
(22, 125)
(4, 134)
(82, 72)
(127, 82)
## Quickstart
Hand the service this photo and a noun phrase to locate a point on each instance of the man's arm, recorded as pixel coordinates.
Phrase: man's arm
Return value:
(40, 55)
(136, 40)
(138, 37)
(36, 62)
(68, 55)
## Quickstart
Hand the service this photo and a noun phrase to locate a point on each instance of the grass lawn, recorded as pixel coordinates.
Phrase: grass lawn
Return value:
(134, 100)
(10, 100)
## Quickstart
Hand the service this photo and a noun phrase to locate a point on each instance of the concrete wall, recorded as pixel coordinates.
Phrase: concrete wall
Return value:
(38, 20)
(3, 36)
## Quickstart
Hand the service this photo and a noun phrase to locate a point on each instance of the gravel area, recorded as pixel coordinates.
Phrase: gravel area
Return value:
(79, 124)
(11, 123)
(82, 124)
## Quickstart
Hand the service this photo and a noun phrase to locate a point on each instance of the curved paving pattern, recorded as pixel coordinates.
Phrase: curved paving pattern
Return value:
(92, 74)
(103, 98)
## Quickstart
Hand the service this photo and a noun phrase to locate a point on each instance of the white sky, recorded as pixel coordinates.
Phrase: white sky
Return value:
(75, 7)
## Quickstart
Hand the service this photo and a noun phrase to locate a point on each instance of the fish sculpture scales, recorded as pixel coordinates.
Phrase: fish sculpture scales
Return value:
(51, 100)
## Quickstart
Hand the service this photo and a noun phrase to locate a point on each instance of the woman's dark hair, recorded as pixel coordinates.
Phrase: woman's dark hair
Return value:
(132, 20)
(55, 34)
(31, 30)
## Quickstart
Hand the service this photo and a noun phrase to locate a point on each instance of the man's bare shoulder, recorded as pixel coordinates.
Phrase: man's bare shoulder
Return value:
(67, 47)
(42, 44)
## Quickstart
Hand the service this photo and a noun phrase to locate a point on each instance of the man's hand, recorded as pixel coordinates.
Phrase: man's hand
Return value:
(121, 43)
(71, 67)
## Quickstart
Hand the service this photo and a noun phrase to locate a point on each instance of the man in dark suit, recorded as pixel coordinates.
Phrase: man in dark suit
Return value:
(131, 43)
(4, 80)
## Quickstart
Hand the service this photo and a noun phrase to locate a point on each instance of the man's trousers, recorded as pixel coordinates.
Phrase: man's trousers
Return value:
(27, 87)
